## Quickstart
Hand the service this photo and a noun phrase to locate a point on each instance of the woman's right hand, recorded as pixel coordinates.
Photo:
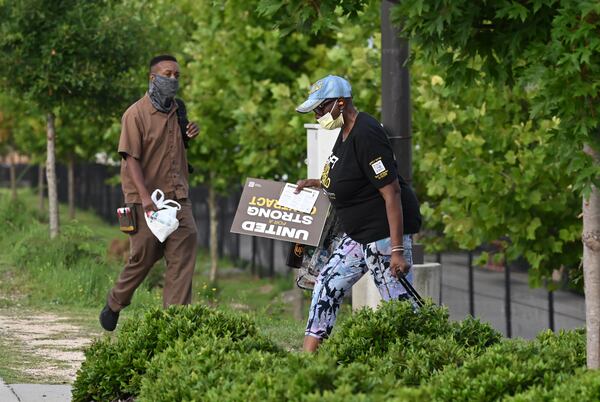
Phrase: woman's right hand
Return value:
(307, 183)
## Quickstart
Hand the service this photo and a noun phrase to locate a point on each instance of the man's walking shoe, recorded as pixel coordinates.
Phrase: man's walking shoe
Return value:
(108, 318)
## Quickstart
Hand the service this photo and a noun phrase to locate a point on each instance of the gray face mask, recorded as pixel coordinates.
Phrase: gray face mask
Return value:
(162, 90)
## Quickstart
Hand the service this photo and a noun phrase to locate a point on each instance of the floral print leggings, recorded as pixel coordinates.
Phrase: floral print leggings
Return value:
(348, 263)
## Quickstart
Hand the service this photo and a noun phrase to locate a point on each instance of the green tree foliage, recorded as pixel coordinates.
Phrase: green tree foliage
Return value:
(309, 16)
(502, 166)
(83, 135)
(491, 172)
(21, 127)
(239, 70)
(241, 91)
(8, 118)
(353, 52)
(538, 47)
(61, 53)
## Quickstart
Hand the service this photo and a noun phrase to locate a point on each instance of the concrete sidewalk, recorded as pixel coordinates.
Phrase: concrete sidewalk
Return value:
(34, 392)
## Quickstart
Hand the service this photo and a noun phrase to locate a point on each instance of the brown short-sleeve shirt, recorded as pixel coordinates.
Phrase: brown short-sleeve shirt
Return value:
(154, 139)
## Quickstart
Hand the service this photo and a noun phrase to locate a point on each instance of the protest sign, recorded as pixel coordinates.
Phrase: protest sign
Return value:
(259, 214)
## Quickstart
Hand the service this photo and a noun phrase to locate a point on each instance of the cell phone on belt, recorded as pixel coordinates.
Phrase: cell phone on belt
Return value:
(127, 221)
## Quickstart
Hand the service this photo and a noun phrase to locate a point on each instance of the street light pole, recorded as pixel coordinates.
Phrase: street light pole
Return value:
(395, 99)
(395, 91)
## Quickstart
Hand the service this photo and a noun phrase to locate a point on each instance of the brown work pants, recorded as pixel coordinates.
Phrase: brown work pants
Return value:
(179, 250)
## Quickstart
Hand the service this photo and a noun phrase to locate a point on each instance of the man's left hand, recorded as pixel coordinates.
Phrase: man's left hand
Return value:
(398, 264)
(192, 130)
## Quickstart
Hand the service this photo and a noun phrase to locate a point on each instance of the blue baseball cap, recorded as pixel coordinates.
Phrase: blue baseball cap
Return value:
(329, 87)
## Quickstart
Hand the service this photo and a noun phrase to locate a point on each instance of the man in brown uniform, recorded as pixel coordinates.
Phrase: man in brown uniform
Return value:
(153, 157)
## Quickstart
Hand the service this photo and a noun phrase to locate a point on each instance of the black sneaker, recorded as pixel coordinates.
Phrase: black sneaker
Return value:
(108, 318)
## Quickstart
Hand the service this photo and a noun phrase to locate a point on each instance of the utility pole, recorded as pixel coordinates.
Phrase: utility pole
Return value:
(395, 91)
(395, 100)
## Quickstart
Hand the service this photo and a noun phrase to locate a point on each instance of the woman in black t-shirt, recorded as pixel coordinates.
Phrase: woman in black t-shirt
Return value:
(377, 210)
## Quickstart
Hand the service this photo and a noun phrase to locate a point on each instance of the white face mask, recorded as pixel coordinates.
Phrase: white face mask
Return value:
(329, 123)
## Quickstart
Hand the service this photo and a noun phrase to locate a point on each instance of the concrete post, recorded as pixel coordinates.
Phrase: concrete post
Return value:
(319, 143)
(426, 280)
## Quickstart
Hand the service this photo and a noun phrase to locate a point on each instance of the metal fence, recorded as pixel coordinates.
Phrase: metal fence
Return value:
(502, 296)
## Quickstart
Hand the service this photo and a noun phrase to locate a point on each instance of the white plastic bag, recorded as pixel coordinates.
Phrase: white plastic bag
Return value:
(164, 221)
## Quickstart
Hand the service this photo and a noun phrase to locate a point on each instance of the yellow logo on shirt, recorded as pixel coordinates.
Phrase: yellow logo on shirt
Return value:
(379, 168)
(331, 161)
(325, 180)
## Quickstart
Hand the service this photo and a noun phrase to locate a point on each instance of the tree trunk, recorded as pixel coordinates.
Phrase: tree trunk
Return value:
(591, 269)
(71, 185)
(41, 175)
(51, 176)
(13, 175)
(214, 257)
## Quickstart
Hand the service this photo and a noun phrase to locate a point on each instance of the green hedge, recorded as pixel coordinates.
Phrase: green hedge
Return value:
(511, 367)
(373, 355)
(114, 367)
(369, 333)
(391, 354)
(207, 365)
(220, 369)
(583, 386)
